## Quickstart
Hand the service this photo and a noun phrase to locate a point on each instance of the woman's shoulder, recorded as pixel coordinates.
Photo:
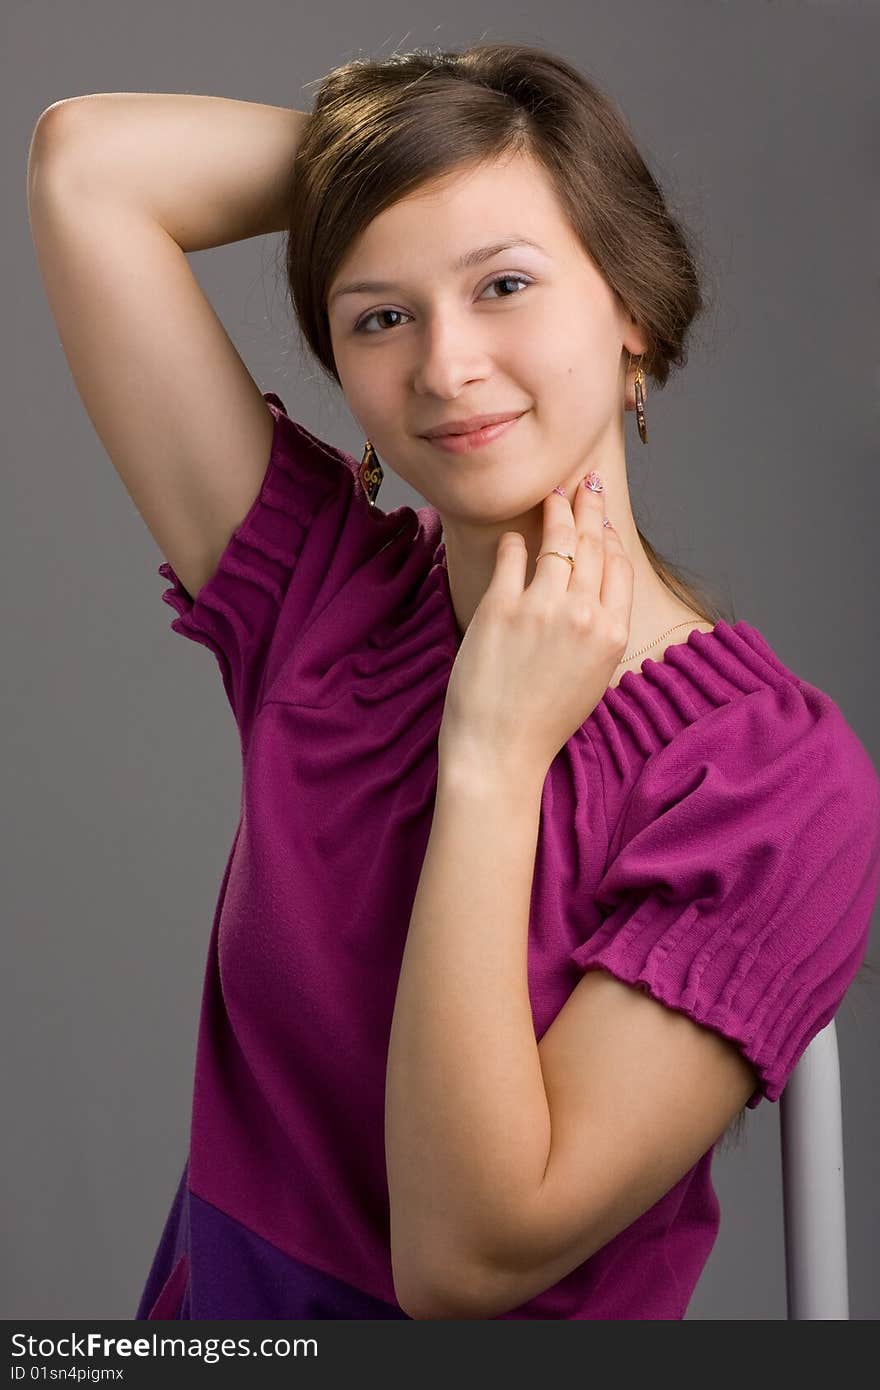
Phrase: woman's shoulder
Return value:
(677, 631)
(725, 687)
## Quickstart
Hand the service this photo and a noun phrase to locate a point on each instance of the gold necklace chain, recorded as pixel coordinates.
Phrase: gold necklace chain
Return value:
(687, 622)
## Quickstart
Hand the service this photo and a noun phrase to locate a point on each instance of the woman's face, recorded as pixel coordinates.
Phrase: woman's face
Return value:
(530, 328)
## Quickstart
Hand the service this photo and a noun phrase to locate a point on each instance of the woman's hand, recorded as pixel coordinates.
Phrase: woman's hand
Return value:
(534, 662)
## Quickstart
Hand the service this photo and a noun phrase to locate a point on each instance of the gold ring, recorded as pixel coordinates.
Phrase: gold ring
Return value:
(563, 555)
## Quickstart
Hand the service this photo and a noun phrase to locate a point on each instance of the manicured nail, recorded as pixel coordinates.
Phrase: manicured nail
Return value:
(561, 491)
(593, 482)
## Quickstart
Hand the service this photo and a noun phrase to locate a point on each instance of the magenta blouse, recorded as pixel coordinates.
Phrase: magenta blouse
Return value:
(711, 833)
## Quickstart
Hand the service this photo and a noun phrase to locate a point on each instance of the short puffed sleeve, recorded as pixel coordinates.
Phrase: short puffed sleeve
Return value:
(743, 872)
(309, 528)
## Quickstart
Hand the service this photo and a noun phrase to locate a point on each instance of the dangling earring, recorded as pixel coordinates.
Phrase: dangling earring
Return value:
(640, 399)
(370, 473)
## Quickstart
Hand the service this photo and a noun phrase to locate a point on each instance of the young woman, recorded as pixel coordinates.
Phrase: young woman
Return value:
(546, 870)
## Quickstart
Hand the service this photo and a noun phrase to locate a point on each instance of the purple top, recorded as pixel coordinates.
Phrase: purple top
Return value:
(711, 832)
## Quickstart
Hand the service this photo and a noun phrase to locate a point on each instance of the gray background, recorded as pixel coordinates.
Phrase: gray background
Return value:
(121, 759)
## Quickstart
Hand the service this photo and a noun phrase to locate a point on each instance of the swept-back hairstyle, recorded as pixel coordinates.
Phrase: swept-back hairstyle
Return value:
(381, 128)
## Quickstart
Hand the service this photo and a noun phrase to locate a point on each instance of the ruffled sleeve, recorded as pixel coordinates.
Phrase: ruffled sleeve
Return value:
(743, 872)
(308, 529)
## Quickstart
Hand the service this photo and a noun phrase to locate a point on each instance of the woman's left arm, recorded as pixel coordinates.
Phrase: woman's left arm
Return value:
(467, 1122)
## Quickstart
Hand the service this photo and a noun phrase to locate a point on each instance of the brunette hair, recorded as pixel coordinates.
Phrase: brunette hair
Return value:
(381, 128)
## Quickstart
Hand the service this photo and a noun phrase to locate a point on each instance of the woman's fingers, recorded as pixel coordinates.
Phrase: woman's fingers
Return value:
(589, 515)
(602, 572)
(614, 585)
(616, 594)
(511, 559)
(559, 532)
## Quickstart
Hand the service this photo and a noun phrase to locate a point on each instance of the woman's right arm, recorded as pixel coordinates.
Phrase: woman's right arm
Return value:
(120, 187)
(210, 170)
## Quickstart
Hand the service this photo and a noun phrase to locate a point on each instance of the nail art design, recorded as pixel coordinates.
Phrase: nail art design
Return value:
(593, 482)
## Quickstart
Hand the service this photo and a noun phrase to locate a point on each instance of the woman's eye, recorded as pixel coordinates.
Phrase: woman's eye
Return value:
(499, 279)
(502, 279)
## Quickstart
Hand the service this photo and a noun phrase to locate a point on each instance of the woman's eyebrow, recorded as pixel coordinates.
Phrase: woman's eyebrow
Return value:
(465, 262)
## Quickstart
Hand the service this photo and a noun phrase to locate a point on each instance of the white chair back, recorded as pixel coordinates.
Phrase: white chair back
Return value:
(811, 1124)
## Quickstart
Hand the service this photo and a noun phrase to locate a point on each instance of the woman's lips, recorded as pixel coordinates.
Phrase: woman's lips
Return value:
(467, 443)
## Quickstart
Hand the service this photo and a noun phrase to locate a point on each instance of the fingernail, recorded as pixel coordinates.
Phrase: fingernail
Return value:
(593, 482)
(561, 491)
(606, 522)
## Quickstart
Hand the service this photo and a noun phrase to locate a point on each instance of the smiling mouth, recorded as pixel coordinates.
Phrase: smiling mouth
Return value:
(474, 439)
